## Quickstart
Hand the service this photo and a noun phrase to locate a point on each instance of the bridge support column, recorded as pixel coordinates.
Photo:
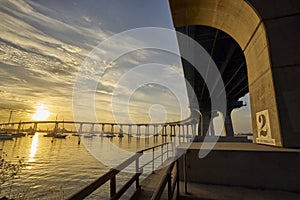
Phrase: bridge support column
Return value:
(204, 123)
(182, 127)
(155, 130)
(92, 128)
(228, 120)
(80, 127)
(228, 124)
(187, 129)
(164, 130)
(138, 131)
(129, 130)
(19, 127)
(147, 130)
(121, 128)
(102, 128)
(112, 128)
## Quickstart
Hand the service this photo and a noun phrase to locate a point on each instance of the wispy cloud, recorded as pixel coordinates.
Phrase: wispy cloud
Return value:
(41, 51)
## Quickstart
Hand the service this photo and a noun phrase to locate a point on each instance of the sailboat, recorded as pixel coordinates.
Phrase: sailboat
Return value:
(61, 135)
(54, 133)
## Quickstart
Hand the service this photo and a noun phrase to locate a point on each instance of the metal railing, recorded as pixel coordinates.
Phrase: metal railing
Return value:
(111, 174)
(172, 182)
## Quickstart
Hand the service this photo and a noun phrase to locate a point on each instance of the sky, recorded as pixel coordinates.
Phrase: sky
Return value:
(44, 44)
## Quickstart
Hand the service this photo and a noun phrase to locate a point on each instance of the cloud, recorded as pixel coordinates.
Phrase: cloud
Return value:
(42, 51)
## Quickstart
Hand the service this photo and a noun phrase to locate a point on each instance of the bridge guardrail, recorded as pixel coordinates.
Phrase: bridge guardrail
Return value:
(111, 174)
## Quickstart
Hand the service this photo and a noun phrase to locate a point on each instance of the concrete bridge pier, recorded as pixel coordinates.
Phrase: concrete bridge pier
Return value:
(228, 120)
(112, 128)
(147, 130)
(204, 122)
(92, 128)
(129, 130)
(121, 128)
(138, 131)
(80, 127)
(102, 128)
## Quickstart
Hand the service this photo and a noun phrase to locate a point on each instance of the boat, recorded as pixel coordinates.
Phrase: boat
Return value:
(6, 137)
(54, 133)
(50, 134)
(87, 135)
(120, 135)
(31, 132)
(18, 134)
(109, 135)
(59, 136)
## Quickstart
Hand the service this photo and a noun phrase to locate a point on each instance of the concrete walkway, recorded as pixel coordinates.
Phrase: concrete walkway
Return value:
(218, 192)
(211, 192)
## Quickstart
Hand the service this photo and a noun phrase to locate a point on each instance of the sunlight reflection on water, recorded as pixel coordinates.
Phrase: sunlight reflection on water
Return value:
(62, 167)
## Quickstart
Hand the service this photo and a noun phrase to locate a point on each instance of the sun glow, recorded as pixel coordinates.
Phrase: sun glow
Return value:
(41, 113)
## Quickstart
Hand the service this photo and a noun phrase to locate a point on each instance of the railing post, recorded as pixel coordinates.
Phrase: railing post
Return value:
(167, 150)
(162, 154)
(153, 161)
(137, 170)
(177, 179)
(169, 185)
(185, 174)
(113, 186)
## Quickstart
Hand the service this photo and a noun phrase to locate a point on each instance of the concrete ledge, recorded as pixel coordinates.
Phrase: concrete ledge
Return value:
(223, 139)
(246, 165)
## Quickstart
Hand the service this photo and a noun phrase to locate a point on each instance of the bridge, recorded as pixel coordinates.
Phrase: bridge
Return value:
(184, 128)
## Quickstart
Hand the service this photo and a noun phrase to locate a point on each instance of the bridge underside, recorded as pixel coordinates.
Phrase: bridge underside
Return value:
(267, 32)
(229, 59)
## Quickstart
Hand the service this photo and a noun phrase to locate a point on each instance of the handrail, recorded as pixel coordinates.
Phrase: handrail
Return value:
(111, 176)
(167, 178)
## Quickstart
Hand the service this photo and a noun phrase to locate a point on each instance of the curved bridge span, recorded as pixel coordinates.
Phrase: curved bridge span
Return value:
(184, 127)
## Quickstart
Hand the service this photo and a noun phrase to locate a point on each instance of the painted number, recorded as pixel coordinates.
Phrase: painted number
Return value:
(263, 129)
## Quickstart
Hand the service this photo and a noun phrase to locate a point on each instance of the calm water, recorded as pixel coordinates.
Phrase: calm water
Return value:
(57, 169)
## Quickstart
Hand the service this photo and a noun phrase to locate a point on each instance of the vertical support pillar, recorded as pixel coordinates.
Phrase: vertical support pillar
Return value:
(138, 130)
(121, 128)
(147, 130)
(187, 130)
(80, 127)
(129, 130)
(102, 129)
(92, 128)
(206, 115)
(112, 128)
(228, 124)
(19, 127)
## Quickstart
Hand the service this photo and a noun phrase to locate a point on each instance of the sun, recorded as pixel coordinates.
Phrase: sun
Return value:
(41, 113)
